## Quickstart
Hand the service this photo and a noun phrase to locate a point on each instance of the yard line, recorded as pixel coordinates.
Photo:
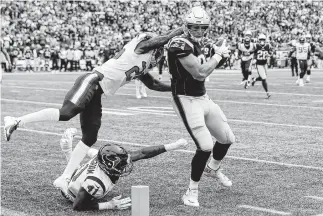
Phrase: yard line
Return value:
(112, 111)
(315, 197)
(168, 97)
(264, 210)
(209, 89)
(319, 215)
(184, 151)
(9, 212)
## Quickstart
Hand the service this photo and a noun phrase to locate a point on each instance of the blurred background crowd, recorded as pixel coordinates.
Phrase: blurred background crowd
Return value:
(81, 34)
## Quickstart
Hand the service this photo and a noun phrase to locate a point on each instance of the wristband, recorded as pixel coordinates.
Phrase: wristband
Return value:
(104, 205)
(217, 57)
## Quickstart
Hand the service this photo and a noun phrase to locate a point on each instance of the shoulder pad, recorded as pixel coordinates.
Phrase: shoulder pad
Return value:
(180, 46)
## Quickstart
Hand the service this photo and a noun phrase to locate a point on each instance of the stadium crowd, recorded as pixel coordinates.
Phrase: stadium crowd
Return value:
(81, 34)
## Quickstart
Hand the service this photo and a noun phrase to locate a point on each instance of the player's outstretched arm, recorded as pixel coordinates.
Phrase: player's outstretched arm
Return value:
(158, 41)
(152, 151)
(154, 84)
(85, 202)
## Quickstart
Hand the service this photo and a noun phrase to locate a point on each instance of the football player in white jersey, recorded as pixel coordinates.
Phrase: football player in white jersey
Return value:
(96, 178)
(133, 61)
(303, 52)
(245, 52)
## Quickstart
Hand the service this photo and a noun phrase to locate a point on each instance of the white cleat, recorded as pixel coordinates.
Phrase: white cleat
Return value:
(301, 83)
(190, 198)
(308, 80)
(180, 144)
(69, 134)
(61, 183)
(144, 95)
(218, 175)
(138, 96)
(10, 125)
(297, 82)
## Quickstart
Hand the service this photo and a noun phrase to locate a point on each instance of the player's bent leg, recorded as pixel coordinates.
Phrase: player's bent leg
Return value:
(217, 124)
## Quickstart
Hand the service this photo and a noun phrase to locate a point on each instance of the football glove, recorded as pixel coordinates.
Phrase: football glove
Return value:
(222, 50)
(120, 204)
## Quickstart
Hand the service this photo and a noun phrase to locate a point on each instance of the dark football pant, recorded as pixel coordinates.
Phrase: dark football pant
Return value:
(246, 68)
(294, 66)
(85, 99)
(302, 67)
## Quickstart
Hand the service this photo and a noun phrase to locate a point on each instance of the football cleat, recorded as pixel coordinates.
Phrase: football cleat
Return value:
(308, 80)
(190, 198)
(268, 95)
(253, 81)
(138, 96)
(301, 83)
(61, 183)
(10, 125)
(218, 175)
(297, 82)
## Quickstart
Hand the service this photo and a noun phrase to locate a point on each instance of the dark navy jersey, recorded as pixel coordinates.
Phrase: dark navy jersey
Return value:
(312, 47)
(182, 81)
(262, 53)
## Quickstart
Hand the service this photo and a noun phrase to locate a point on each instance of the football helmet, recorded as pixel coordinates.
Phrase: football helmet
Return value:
(308, 38)
(262, 39)
(114, 160)
(196, 24)
(302, 39)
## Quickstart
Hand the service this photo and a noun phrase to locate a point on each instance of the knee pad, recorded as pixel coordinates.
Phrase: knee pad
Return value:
(68, 111)
(202, 138)
(230, 137)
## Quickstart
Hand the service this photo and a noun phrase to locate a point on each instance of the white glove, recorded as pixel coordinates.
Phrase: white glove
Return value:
(254, 61)
(223, 50)
(120, 204)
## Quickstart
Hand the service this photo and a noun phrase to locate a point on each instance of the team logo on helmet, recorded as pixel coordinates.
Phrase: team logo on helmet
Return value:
(114, 160)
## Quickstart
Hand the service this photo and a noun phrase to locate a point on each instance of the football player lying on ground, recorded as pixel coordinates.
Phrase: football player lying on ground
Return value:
(135, 59)
(96, 178)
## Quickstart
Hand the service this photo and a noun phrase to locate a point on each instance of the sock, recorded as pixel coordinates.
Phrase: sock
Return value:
(214, 164)
(264, 84)
(92, 152)
(66, 148)
(193, 184)
(77, 156)
(137, 82)
(50, 114)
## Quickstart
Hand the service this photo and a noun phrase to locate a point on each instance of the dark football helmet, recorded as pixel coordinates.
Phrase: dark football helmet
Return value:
(114, 160)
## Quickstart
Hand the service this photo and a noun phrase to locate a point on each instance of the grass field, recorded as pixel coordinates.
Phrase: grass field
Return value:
(276, 164)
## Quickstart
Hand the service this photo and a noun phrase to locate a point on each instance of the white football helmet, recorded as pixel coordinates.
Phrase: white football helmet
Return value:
(196, 23)
(262, 39)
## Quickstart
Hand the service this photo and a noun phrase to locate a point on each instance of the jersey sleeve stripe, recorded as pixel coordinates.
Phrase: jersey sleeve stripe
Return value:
(78, 94)
(97, 180)
(185, 40)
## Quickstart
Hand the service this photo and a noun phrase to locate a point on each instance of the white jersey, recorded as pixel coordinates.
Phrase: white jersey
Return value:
(125, 66)
(246, 53)
(92, 178)
(302, 51)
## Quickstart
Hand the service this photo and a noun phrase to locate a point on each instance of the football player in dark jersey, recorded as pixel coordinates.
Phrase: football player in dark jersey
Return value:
(262, 52)
(202, 118)
(310, 62)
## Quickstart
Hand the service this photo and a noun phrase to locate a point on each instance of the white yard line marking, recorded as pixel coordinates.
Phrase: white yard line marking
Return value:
(209, 89)
(315, 197)
(168, 97)
(264, 210)
(9, 212)
(104, 110)
(113, 111)
(184, 151)
(319, 215)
